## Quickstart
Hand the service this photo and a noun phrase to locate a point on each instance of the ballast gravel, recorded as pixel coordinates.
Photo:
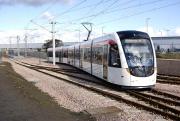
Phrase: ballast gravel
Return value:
(172, 89)
(78, 99)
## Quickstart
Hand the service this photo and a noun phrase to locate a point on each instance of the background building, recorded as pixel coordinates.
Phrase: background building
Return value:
(167, 44)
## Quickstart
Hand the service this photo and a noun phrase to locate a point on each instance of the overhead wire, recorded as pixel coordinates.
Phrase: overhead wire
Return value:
(70, 9)
(81, 8)
(95, 6)
(130, 7)
(92, 5)
(46, 9)
(49, 7)
(136, 5)
(110, 10)
(105, 9)
(32, 20)
(125, 8)
(139, 13)
(99, 13)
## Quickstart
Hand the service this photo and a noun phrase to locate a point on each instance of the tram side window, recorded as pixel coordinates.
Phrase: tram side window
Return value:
(87, 54)
(57, 54)
(50, 54)
(81, 53)
(60, 54)
(65, 53)
(70, 53)
(77, 54)
(97, 55)
(114, 58)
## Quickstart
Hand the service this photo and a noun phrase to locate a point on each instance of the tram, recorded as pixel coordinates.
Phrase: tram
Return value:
(125, 58)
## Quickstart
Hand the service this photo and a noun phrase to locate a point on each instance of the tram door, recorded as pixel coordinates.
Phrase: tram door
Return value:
(105, 61)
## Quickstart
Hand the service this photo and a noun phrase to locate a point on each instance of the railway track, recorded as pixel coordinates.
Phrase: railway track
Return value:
(160, 78)
(165, 104)
(68, 72)
(168, 79)
(154, 101)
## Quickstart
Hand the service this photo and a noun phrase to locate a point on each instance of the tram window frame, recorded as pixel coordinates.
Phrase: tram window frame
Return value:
(117, 60)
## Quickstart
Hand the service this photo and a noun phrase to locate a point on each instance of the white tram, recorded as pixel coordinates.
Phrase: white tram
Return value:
(125, 58)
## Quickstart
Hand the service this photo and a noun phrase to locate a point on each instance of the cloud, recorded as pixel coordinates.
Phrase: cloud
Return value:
(32, 2)
(34, 36)
(5, 36)
(47, 15)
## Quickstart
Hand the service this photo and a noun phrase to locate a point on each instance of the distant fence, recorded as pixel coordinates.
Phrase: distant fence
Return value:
(30, 53)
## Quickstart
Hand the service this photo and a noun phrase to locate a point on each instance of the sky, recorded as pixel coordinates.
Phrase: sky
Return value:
(32, 18)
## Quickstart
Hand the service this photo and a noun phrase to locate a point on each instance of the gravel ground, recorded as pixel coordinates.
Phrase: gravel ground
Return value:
(173, 89)
(78, 99)
(35, 61)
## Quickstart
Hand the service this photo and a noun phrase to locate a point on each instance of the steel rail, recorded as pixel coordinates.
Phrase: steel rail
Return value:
(165, 94)
(154, 103)
(173, 81)
(166, 77)
(168, 82)
(115, 96)
(161, 99)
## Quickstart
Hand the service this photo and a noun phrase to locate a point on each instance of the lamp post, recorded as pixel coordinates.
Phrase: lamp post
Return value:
(26, 41)
(167, 32)
(161, 33)
(102, 30)
(79, 34)
(147, 20)
(18, 51)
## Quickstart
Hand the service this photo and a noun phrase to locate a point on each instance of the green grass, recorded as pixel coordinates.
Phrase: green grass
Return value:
(27, 88)
(27, 91)
(168, 55)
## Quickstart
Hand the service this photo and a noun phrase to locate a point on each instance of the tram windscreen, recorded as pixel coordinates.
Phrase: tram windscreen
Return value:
(139, 56)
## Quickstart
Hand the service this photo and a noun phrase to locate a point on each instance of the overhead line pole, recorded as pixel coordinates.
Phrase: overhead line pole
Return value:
(25, 39)
(9, 51)
(53, 38)
(26, 42)
(147, 29)
(18, 46)
(53, 42)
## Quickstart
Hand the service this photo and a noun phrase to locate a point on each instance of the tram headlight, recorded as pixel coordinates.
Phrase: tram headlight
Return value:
(128, 70)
